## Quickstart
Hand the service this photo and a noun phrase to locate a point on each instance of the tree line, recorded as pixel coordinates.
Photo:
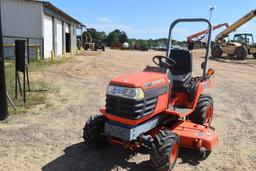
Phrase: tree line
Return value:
(118, 36)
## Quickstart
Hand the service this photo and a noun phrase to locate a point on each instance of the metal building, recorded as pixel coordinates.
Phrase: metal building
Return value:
(47, 29)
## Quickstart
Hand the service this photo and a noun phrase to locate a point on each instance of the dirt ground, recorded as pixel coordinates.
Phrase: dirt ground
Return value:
(49, 137)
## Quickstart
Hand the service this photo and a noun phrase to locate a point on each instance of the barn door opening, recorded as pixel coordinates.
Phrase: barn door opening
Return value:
(68, 43)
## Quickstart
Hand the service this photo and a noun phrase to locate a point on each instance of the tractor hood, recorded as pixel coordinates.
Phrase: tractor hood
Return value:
(143, 80)
(234, 43)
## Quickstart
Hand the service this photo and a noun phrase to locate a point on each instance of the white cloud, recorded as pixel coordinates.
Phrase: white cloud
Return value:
(105, 20)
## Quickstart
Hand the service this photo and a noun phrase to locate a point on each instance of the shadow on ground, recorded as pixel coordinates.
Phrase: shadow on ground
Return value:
(230, 60)
(78, 157)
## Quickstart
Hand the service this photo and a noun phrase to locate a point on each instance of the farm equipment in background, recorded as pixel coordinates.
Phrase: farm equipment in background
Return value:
(159, 109)
(240, 46)
(116, 45)
(140, 47)
(162, 47)
(98, 45)
(195, 40)
(126, 46)
(90, 43)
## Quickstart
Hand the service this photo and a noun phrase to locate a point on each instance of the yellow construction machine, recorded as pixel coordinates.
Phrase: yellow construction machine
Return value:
(241, 45)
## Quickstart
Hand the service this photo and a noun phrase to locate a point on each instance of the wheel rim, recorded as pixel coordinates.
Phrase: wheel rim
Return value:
(173, 154)
(208, 117)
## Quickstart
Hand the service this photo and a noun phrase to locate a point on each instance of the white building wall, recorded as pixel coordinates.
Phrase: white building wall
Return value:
(48, 36)
(59, 37)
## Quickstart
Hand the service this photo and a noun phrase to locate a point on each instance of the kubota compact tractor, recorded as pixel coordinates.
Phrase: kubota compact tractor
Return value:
(161, 108)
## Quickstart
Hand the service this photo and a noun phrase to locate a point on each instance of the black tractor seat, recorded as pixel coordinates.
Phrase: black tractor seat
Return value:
(182, 71)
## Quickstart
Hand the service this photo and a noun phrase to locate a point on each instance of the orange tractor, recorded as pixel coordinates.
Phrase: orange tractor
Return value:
(161, 108)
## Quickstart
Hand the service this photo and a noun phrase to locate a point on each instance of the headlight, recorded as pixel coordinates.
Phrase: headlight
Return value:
(131, 93)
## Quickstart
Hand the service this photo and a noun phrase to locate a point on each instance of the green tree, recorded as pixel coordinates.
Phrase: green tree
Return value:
(95, 34)
(123, 37)
(116, 36)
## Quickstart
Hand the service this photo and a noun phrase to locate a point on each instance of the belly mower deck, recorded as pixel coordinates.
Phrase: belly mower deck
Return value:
(191, 135)
(195, 136)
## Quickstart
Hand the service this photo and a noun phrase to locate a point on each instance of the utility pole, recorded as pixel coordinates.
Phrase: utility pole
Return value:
(3, 100)
(211, 8)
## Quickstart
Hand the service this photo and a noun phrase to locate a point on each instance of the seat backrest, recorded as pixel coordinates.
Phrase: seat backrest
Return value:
(183, 61)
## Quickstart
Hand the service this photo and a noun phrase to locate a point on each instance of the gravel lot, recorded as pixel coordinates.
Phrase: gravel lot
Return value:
(49, 137)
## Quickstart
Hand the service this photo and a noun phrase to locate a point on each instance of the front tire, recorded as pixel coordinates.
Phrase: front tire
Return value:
(241, 52)
(165, 150)
(204, 111)
(217, 52)
(93, 129)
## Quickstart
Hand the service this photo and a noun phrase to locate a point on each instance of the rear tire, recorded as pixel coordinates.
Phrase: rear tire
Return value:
(165, 150)
(241, 52)
(93, 129)
(86, 47)
(190, 45)
(204, 111)
(217, 52)
(254, 55)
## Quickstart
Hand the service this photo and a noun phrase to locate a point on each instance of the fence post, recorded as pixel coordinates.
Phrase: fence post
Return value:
(43, 57)
(52, 55)
(64, 53)
(28, 52)
(38, 53)
(71, 53)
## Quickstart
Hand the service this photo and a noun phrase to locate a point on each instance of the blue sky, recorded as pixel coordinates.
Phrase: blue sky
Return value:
(151, 18)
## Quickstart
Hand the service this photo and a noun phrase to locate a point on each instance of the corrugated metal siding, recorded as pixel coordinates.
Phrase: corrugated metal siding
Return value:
(21, 18)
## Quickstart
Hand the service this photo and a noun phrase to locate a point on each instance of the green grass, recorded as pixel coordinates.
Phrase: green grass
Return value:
(39, 89)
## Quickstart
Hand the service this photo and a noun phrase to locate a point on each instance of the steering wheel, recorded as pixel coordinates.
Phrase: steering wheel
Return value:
(162, 61)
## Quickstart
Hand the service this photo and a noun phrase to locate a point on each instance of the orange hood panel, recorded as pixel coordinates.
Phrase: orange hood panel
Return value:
(141, 79)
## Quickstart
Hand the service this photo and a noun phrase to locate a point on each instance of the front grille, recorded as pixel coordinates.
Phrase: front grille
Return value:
(130, 108)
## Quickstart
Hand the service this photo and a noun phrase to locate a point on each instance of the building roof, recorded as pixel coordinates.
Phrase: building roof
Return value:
(50, 6)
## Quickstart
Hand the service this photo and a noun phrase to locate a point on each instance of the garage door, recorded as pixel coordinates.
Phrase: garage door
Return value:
(59, 38)
(48, 39)
(67, 28)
